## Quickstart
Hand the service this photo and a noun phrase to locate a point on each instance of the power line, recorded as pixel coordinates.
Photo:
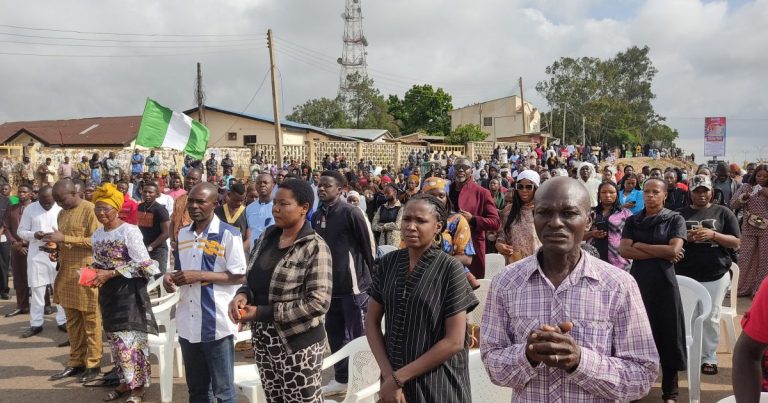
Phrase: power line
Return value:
(72, 38)
(248, 105)
(121, 56)
(123, 33)
(125, 46)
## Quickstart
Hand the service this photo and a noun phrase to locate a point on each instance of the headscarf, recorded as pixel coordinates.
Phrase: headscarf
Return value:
(433, 183)
(591, 169)
(531, 175)
(415, 178)
(108, 194)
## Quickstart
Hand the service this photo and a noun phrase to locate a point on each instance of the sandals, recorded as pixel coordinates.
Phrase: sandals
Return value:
(135, 399)
(709, 369)
(114, 395)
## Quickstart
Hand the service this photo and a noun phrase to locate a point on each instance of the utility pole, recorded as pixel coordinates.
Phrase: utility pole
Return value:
(275, 103)
(199, 96)
(522, 102)
(583, 131)
(565, 110)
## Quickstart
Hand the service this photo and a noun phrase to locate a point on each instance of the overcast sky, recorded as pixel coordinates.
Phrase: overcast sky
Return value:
(711, 55)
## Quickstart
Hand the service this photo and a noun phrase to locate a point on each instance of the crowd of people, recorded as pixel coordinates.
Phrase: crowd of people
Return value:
(291, 251)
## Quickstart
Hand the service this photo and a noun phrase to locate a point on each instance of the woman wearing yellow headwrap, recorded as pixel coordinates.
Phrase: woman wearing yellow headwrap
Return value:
(411, 188)
(123, 269)
(457, 237)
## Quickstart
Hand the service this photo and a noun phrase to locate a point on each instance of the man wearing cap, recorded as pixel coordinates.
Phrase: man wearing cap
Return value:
(477, 206)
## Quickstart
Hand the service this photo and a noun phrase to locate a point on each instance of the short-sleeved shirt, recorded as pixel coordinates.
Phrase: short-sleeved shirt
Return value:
(258, 216)
(150, 216)
(435, 290)
(707, 261)
(755, 321)
(201, 315)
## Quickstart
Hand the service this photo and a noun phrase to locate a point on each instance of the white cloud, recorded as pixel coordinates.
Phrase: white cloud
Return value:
(710, 55)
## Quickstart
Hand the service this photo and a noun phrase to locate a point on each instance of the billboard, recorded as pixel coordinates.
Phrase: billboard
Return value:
(714, 137)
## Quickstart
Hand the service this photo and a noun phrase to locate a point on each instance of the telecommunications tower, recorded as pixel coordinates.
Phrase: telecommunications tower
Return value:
(353, 53)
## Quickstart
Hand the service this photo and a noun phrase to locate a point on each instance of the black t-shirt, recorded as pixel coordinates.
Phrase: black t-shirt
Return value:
(707, 261)
(260, 272)
(150, 216)
(240, 223)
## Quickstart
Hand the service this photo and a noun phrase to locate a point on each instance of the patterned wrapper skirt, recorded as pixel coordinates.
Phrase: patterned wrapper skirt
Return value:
(130, 350)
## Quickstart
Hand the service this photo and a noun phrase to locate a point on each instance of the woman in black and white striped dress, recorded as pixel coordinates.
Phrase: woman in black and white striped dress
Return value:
(424, 295)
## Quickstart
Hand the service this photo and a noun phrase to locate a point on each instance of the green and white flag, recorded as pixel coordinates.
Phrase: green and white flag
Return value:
(162, 127)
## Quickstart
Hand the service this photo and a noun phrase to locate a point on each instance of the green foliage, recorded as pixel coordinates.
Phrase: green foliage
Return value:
(466, 133)
(322, 112)
(613, 96)
(361, 106)
(422, 109)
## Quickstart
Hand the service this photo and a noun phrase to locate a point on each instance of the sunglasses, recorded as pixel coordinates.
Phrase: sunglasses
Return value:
(520, 186)
(462, 167)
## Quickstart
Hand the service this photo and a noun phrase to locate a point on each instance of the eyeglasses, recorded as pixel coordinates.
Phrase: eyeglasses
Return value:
(520, 186)
(102, 210)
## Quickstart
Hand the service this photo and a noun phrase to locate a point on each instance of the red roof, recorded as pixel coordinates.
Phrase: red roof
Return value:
(109, 131)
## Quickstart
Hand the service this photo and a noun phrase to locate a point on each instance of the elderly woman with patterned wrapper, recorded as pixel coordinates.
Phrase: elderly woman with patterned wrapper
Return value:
(123, 268)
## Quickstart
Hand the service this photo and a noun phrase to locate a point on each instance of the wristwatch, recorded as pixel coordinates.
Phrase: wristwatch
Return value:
(149, 249)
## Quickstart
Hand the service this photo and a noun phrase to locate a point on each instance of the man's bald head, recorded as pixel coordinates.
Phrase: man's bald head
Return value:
(561, 215)
(205, 190)
(562, 186)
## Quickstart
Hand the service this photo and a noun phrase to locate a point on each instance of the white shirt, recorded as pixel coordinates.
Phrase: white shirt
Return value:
(592, 185)
(201, 315)
(40, 270)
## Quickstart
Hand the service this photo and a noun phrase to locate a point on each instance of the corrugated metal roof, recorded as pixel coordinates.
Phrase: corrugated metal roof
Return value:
(100, 131)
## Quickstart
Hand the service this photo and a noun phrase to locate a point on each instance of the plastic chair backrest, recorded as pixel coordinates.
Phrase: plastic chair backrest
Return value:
(363, 369)
(734, 285)
(483, 390)
(481, 294)
(696, 301)
(494, 264)
(162, 310)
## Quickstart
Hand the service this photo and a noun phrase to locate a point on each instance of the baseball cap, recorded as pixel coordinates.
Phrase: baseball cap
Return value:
(700, 181)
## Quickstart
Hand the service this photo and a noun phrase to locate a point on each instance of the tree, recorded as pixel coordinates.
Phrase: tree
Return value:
(465, 133)
(613, 97)
(422, 109)
(322, 112)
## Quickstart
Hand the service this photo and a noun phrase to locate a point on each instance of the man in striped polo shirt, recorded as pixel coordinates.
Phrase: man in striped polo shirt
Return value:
(210, 266)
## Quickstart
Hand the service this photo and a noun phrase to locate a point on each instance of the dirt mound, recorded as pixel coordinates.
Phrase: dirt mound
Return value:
(662, 163)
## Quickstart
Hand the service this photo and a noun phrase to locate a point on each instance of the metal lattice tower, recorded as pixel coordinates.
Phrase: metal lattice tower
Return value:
(353, 53)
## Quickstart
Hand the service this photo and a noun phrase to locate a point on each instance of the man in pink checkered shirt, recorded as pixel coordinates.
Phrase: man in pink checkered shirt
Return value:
(561, 325)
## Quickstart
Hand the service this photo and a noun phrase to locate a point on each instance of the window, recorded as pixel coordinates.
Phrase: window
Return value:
(248, 140)
(232, 136)
(488, 121)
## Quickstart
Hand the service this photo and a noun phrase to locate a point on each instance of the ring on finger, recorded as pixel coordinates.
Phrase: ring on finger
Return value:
(557, 359)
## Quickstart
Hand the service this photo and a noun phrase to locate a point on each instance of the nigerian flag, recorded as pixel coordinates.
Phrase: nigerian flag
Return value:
(162, 127)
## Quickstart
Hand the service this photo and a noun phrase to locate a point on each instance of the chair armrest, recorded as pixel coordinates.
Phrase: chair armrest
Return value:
(365, 393)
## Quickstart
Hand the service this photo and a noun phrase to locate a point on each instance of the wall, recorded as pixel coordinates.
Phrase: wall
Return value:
(506, 120)
(220, 124)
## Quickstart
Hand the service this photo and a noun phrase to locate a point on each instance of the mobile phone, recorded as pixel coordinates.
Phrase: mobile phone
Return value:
(601, 226)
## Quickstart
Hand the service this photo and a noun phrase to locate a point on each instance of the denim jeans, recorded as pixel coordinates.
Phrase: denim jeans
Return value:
(210, 370)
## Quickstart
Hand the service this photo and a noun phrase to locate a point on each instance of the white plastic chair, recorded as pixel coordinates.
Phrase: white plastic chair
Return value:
(696, 301)
(732, 399)
(248, 382)
(364, 372)
(481, 293)
(483, 390)
(494, 264)
(728, 313)
(162, 345)
(384, 249)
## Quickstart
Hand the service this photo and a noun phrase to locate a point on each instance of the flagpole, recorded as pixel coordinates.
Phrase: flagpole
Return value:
(275, 103)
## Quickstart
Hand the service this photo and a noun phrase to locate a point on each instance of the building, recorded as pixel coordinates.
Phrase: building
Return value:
(236, 129)
(101, 132)
(499, 118)
(367, 135)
